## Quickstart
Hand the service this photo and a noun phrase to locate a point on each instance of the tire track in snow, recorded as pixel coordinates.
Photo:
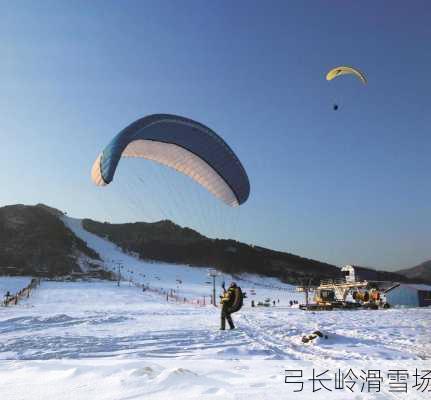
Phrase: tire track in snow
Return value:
(287, 343)
(261, 336)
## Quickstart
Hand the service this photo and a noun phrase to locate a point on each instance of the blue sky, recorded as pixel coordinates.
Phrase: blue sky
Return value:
(346, 186)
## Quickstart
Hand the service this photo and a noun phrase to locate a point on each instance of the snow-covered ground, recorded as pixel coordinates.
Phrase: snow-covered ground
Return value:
(13, 284)
(99, 319)
(95, 340)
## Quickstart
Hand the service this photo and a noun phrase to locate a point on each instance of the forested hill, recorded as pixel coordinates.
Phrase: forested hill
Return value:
(168, 242)
(420, 272)
(34, 241)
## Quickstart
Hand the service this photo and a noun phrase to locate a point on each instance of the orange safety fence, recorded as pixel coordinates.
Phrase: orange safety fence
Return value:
(172, 296)
(10, 299)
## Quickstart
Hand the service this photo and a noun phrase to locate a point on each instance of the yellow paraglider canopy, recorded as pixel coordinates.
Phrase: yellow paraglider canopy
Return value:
(344, 70)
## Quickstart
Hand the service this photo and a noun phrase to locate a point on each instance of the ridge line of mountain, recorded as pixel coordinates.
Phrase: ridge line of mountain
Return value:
(35, 241)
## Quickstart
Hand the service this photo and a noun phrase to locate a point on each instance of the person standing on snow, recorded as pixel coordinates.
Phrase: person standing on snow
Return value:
(227, 301)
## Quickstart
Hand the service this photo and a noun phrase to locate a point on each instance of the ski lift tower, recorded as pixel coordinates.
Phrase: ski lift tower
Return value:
(120, 267)
(213, 274)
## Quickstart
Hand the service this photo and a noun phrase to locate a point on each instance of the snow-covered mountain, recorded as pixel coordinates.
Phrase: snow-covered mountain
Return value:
(42, 241)
(35, 241)
(167, 242)
(183, 280)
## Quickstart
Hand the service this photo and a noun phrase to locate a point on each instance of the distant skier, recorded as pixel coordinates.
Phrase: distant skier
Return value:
(8, 298)
(231, 302)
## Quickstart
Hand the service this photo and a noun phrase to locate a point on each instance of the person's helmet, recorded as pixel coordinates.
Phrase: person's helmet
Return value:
(232, 284)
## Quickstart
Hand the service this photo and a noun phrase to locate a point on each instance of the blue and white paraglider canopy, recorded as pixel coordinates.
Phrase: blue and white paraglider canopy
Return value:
(184, 145)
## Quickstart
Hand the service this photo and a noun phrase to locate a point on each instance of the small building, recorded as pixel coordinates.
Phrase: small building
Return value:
(409, 295)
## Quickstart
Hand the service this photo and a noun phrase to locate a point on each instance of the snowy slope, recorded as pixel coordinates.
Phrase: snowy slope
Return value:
(360, 334)
(96, 340)
(190, 282)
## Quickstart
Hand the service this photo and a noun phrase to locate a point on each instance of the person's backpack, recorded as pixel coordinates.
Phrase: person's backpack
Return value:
(238, 300)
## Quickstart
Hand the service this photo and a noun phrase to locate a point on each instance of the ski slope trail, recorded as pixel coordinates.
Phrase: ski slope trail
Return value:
(189, 282)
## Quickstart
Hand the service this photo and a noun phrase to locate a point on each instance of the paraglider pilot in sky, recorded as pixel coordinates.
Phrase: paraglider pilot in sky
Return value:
(231, 302)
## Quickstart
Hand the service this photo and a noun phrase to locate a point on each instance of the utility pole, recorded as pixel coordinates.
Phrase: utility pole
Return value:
(119, 273)
(213, 273)
(307, 289)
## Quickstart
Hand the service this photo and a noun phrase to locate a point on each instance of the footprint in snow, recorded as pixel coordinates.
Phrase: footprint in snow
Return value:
(146, 371)
(242, 367)
(181, 371)
(214, 390)
(258, 385)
